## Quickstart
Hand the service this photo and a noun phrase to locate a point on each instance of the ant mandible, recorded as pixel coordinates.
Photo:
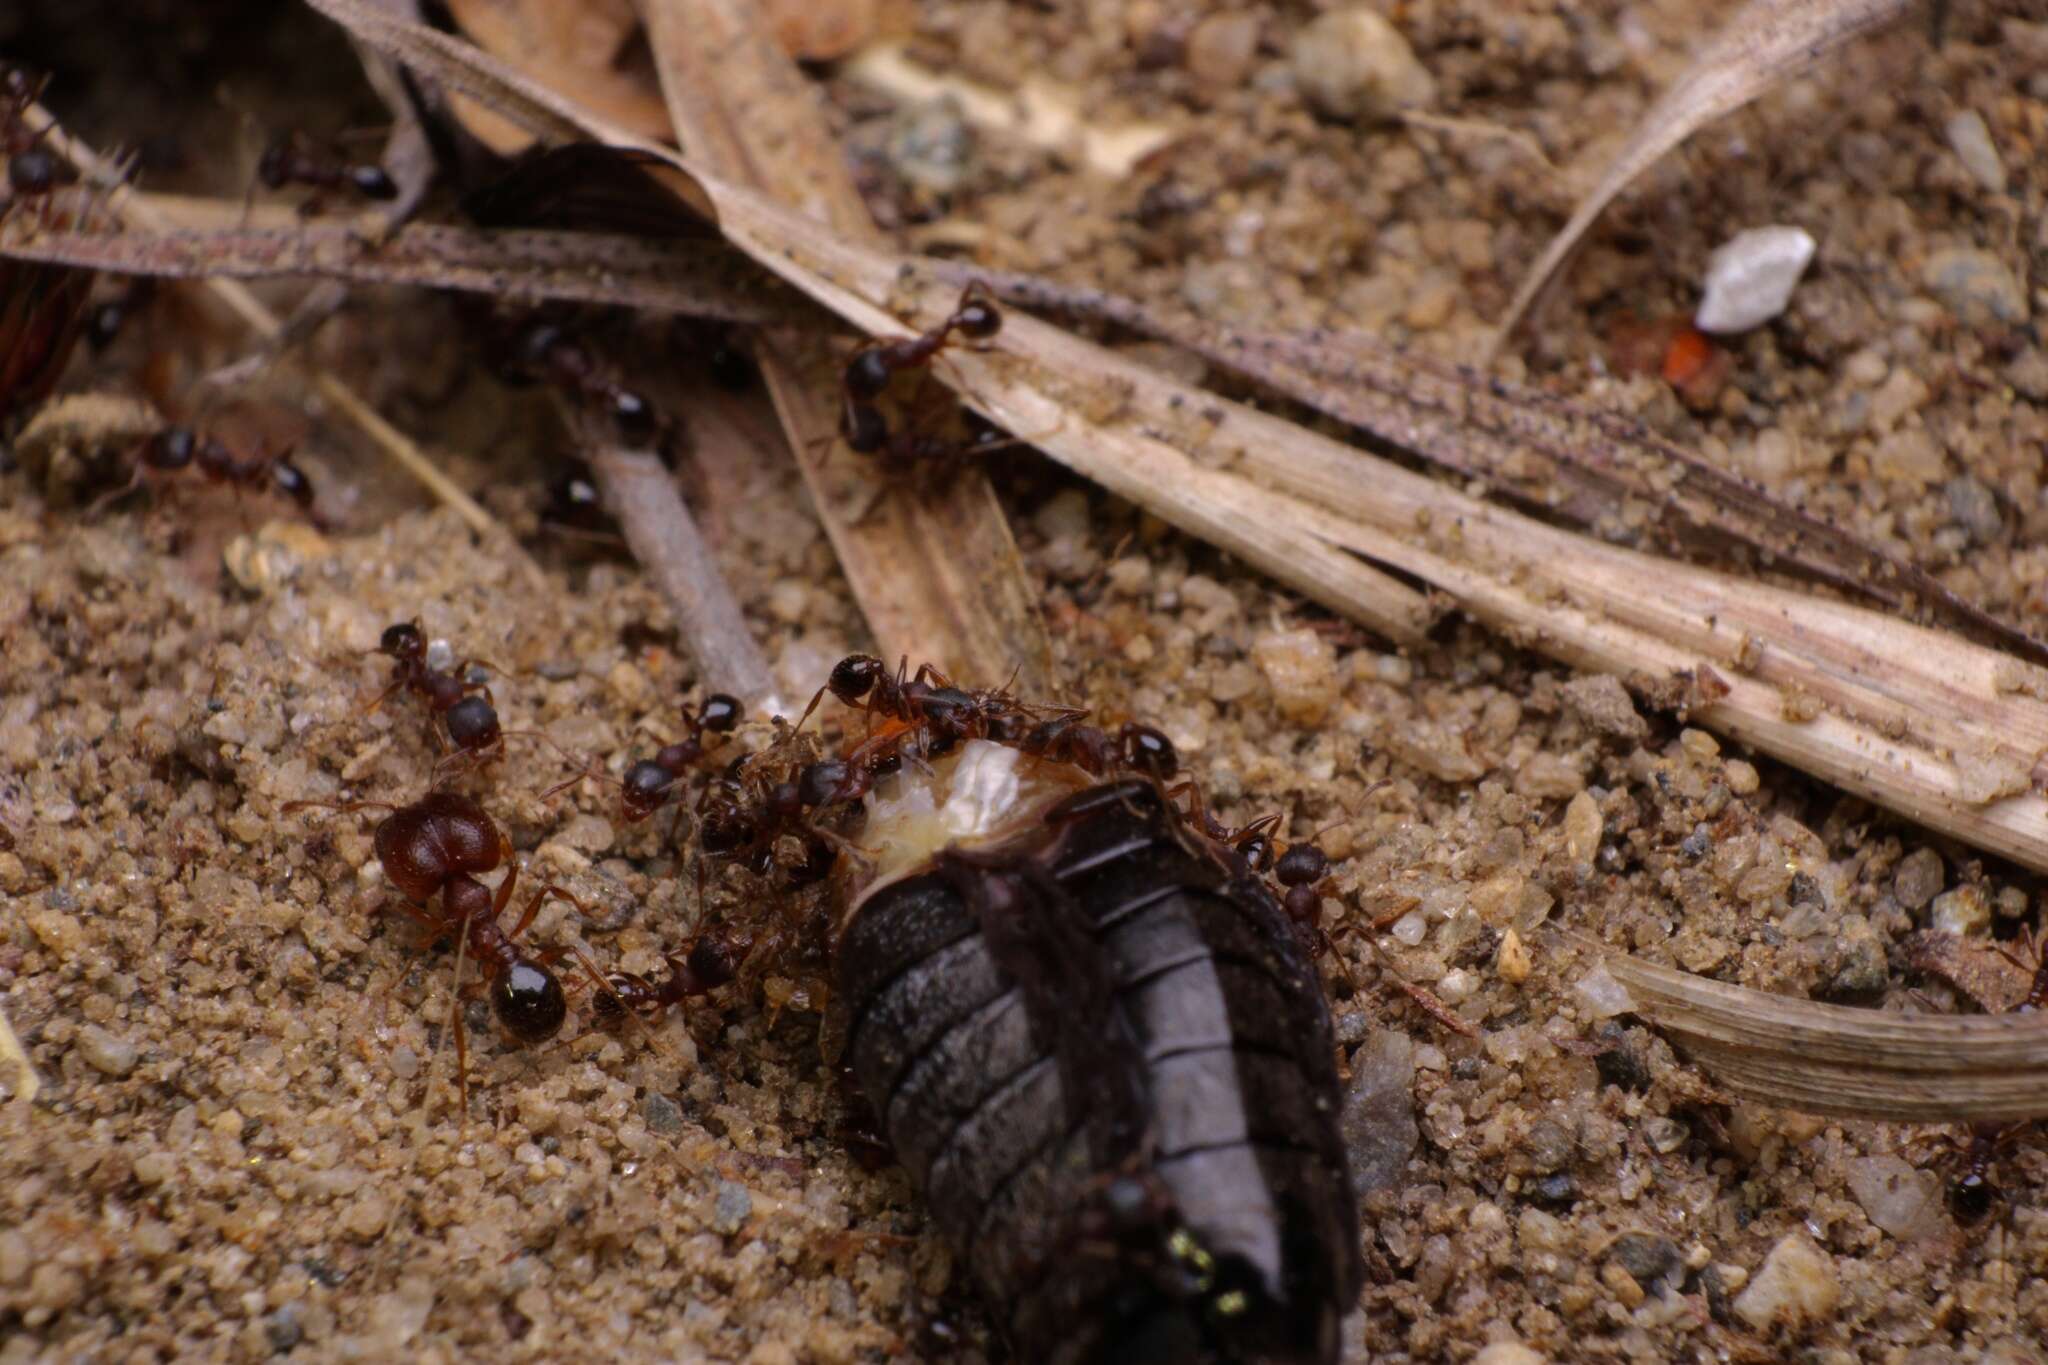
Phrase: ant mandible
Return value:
(436, 847)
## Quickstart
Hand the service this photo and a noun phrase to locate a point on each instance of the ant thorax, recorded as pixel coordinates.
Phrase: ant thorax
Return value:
(981, 794)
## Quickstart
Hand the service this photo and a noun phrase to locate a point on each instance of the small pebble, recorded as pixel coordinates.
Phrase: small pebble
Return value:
(1750, 278)
(1964, 911)
(1665, 1135)
(1220, 49)
(1352, 64)
(1603, 704)
(1410, 928)
(1509, 1353)
(1646, 1257)
(1377, 1121)
(1511, 962)
(107, 1052)
(1976, 286)
(1301, 668)
(1897, 1198)
(661, 1114)
(1741, 777)
(1582, 825)
(1796, 1284)
(1605, 996)
(1974, 507)
(731, 1207)
(1971, 141)
(933, 146)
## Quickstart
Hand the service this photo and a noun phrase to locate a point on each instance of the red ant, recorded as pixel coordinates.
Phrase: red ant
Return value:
(469, 720)
(292, 159)
(646, 784)
(437, 846)
(175, 449)
(867, 376)
(703, 967)
(546, 351)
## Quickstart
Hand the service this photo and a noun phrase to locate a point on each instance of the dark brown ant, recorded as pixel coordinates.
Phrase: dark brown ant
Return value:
(33, 169)
(708, 963)
(1301, 870)
(468, 712)
(176, 449)
(436, 847)
(545, 351)
(293, 159)
(646, 785)
(874, 365)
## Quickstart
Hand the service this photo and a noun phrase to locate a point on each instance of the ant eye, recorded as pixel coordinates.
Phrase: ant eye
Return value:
(529, 1003)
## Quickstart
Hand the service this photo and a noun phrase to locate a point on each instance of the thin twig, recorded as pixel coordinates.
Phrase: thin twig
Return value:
(665, 539)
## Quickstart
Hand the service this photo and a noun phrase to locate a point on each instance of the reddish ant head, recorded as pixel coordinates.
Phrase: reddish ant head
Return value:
(1147, 750)
(1970, 1196)
(720, 714)
(978, 320)
(404, 642)
(853, 676)
(444, 836)
(529, 1002)
(473, 724)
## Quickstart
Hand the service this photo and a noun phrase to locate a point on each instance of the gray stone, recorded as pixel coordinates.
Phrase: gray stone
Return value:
(1976, 286)
(1973, 507)
(1919, 879)
(1353, 64)
(731, 1207)
(1378, 1119)
(1971, 142)
(1750, 278)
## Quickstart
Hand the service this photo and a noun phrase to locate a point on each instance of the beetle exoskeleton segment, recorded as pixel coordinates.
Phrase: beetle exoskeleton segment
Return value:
(1103, 1054)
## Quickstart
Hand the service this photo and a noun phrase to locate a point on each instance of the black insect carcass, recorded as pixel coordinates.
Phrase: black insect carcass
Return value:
(1095, 1041)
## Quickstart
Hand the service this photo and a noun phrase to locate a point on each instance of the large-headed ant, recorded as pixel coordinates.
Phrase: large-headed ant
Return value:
(437, 846)
(293, 159)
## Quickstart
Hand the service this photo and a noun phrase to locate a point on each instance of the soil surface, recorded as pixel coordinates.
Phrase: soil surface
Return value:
(249, 1140)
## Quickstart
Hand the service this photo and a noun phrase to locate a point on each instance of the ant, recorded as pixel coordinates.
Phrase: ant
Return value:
(869, 372)
(436, 847)
(105, 321)
(545, 350)
(33, 170)
(175, 449)
(292, 159)
(469, 720)
(703, 967)
(647, 783)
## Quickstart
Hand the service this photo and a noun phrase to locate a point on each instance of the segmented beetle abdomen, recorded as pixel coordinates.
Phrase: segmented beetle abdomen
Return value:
(1102, 1053)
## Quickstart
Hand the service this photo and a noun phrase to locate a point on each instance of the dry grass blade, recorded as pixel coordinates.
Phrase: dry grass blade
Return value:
(700, 279)
(1766, 42)
(1943, 731)
(1831, 1059)
(937, 574)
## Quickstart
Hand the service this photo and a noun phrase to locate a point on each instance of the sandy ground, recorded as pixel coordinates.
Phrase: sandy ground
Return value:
(248, 1143)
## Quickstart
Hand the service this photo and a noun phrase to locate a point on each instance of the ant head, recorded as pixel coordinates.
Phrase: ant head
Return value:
(822, 782)
(529, 1002)
(425, 845)
(404, 641)
(473, 724)
(1302, 865)
(35, 171)
(634, 417)
(291, 481)
(1148, 751)
(720, 714)
(853, 675)
(865, 429)
(867, 374)
(170, 448)
(371, 182)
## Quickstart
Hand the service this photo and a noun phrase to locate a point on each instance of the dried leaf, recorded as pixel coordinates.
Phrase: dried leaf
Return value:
(936, 572)
(1893, 712)
(1768, 41)
(1831, 1059)
(571, 48)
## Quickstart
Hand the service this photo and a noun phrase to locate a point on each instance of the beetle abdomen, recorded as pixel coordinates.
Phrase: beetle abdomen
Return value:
(1102, 1053)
